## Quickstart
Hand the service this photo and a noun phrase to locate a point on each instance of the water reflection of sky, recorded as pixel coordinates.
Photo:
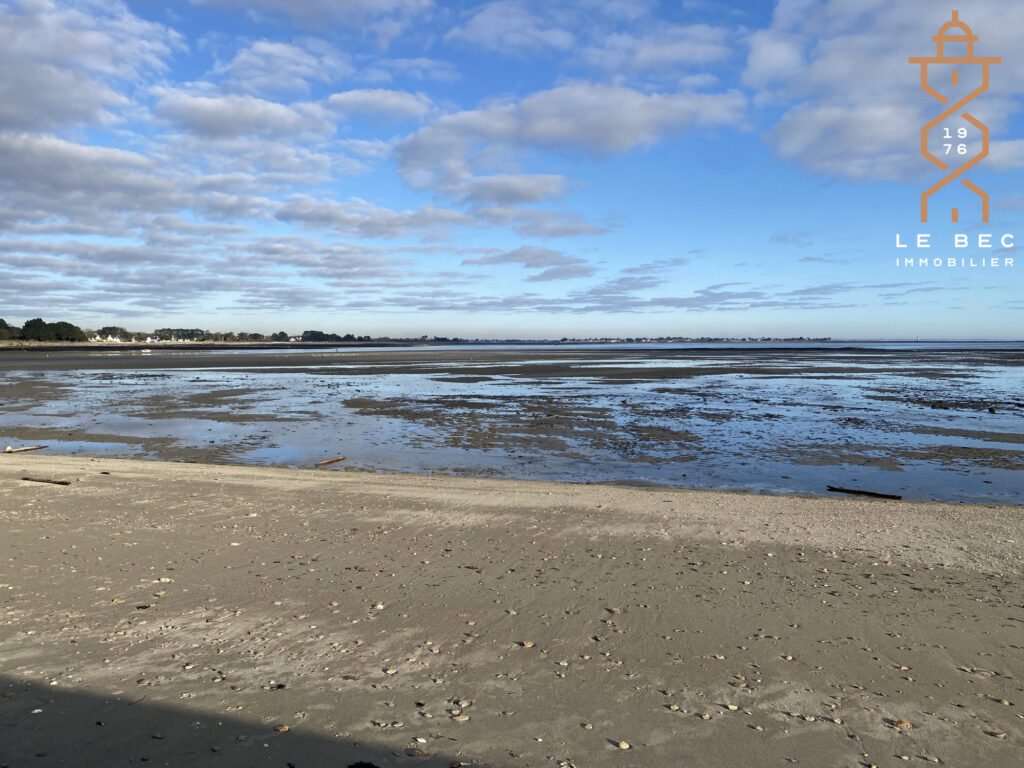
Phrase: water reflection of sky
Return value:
(885, 424)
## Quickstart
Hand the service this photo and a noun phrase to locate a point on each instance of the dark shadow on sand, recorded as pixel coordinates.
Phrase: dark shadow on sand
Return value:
(54, 726)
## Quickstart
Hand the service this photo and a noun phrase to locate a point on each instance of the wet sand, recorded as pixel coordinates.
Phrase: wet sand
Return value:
(230, 616)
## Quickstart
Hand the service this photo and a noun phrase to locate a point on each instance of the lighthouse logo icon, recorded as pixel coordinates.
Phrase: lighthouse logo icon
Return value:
(959, 139)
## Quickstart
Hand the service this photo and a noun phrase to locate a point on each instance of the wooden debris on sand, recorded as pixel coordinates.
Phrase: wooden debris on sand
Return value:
(45, 480)
(857, 492)
(329, 461)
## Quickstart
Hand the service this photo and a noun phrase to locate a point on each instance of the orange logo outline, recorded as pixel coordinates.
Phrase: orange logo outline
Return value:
(941, 39)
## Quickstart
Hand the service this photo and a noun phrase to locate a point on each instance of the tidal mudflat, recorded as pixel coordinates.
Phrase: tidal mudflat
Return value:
(923, 422)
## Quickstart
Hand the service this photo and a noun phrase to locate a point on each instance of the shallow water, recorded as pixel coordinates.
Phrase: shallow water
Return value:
(925, 422)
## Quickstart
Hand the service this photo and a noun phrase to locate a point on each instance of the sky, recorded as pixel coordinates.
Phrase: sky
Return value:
(516, 168)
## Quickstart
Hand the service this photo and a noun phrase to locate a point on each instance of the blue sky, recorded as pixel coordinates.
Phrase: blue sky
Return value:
(509, 168)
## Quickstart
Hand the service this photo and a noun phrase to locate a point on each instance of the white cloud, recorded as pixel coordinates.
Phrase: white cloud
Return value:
(602, 119)
(67, 179)
(853, 102)
(553, 265)
(627, 10)
(857, 141)
(514, 188)
(656, 269)
(530, 256)
(267, 66)
(1007, 155)
(698, 81)
(227, 116)
(312, 11)
(668, 47)
(382, 104)
(364, 219)
(418, 68)
(510, 28)
(68, 65)
(253, 163)
(372, 148)
(380, 19)
(83, 189)
(773, 56)
(530, 222)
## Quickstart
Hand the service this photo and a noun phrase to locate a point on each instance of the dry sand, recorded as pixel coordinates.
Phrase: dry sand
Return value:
(193, 615)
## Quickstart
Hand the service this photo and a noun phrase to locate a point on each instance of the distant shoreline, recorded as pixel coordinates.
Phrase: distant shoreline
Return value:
(46, 346)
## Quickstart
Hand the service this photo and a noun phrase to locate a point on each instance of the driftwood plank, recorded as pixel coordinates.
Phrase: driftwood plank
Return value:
(858, 492)
(329, 461)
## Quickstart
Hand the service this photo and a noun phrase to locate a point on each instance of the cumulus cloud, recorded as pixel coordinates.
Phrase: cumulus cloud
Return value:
(75, 180)
(66, 65)
(603, 119)
(852, 102)
(509, 27)
(668, 47)
(658, 267)
(531, 222)
(311, 11)
(372, 148)
(1007, 155)
(380, 19)
(268, 66)
(553, 265)
(626, 10)
(773, 56)
(514, 188)
(381, 103)
(364, 219)
(528, 256)
(568, 272)
(417, 68)
(257, 164)
(226, 116)
(99, 190)
(621, 295)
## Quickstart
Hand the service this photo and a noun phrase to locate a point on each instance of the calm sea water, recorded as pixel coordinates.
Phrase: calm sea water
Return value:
(922, 420)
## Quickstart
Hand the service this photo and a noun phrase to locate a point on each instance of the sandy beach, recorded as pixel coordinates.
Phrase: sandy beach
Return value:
(184, 615)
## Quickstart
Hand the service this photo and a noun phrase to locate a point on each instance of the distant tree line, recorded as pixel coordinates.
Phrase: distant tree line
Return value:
(39, 330)
(321, 336)
(197, 334)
